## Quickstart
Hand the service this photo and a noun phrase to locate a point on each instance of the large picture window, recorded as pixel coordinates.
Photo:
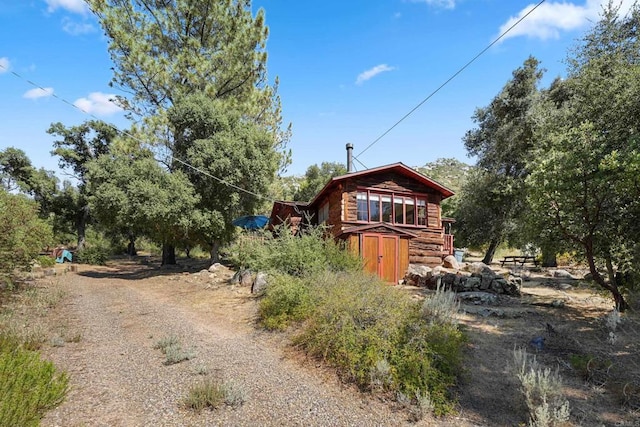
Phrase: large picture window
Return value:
(391, 208)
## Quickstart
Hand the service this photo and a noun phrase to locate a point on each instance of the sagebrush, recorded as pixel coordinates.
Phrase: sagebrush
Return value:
(173, 350)
(213, 393)
(542, 391)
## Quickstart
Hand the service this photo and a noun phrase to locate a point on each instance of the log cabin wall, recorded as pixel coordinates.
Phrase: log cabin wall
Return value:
(428, 247)
(334, 198)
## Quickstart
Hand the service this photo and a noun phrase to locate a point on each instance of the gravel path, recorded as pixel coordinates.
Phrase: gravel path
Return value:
(119, 379)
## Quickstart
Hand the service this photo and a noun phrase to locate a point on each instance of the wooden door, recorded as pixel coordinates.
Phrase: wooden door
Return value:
(380, 255)
(371, 252)
(389, 260)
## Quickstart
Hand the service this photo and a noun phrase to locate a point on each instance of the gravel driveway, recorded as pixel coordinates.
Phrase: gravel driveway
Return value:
(119, 379)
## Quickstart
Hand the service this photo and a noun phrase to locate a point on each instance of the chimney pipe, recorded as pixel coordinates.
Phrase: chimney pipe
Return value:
(349, 158)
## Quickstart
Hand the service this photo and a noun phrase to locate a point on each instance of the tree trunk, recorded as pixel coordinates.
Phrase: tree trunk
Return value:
(488, 257)
(168, 254)
(82, 227)
(549, 258)
(215, 252)
(611, 286)
(131, 247)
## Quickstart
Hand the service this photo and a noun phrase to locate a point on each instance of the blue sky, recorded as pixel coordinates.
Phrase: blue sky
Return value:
(348, 70)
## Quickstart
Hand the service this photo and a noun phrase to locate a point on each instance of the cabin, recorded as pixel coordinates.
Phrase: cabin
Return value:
(389, 215)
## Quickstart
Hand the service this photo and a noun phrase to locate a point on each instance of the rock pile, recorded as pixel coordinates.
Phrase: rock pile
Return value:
(480, 279)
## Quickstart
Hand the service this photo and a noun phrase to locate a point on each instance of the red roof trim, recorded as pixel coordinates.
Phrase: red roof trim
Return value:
(398, 167)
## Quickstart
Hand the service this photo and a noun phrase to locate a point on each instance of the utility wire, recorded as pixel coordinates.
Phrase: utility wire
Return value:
(450, 78)
(172, 157)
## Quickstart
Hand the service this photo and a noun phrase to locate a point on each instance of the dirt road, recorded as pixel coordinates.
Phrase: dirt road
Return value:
(119, 379)
(112, 317)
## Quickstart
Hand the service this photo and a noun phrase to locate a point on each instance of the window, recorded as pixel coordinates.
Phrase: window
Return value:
(409, 211)
(399, 209)
(323, 213)
(391, 208)
(363, 211)
(374, 208)
(422, 212)
(386, 208)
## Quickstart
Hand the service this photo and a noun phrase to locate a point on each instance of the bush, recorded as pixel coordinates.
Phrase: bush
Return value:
(287, 299)
(45, 261)
(94, 255)
(213, 394)
(373, 334)
(171, 347)
(441, 308)
(542, 390)
(30, 385)
(307, 254)
(377, 337)
(22, 233)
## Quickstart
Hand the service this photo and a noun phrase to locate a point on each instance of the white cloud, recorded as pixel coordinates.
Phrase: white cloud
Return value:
(444, 4)
(372, 72)
(4, 65)
(38, 93)
(77, 28)
(98, 103)
(75, 6)
(551, 19)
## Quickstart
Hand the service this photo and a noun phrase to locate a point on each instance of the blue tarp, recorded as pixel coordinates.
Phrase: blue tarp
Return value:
(65, 255)
(251, 222)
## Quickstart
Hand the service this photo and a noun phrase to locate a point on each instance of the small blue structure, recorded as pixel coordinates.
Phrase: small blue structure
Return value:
(251, 222)
(538, 343)
(64, 255)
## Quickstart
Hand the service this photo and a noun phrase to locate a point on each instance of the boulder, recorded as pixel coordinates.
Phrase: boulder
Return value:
(417, 275)
(480, 268)
(472, 283)
(215, 267)
(478, 297)
(438, 271)
(448, 281)
(498, 285)
(246, 278)
(259, 284)
(485, 280)
(451, 262)
(242, 277)
(562, 274)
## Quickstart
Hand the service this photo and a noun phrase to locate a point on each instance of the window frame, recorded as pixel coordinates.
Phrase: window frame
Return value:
(416, 200)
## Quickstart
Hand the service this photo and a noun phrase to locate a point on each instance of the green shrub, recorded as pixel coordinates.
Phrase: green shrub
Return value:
(287, 299)
(378, 338)
(94, 255)
(307, 254)
(22, 233)
(45, 261)
(30, 385)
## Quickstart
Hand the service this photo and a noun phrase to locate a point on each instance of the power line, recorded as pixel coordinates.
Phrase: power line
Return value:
(449, 79)
(172, 157)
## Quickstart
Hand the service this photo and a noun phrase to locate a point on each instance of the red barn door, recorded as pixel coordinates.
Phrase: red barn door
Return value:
(380, 255)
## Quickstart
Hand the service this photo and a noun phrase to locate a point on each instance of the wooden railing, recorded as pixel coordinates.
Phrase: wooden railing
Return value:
(448, 244)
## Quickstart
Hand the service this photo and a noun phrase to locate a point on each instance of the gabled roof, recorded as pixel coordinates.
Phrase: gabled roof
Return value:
(399, 168)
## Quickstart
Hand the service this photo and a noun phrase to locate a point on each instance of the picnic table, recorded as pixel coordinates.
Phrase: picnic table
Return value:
(519, 259)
